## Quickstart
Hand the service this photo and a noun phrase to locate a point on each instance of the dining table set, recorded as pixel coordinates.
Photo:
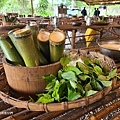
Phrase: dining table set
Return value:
(101, 29)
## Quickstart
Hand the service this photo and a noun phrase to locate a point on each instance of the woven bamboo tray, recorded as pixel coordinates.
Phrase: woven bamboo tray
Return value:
(6, 96)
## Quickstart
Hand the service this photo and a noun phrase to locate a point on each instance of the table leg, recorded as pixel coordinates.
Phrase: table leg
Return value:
(73, 39)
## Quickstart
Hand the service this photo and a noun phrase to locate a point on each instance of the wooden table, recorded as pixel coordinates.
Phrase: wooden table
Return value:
(28, 19)
(102, 29)
(7, 28)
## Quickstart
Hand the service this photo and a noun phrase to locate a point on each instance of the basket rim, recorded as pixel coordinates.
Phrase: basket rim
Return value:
(4, 61)
(51, 106)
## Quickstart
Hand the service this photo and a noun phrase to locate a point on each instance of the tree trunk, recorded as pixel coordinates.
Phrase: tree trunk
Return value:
(32, 9)
(73, 4)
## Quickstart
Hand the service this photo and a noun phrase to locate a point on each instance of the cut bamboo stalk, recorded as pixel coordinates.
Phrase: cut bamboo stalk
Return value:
(57, 45)
(10, 51)
(43, 38)
(35, 31)
(12, 37)
(26, 47)
(42, 59)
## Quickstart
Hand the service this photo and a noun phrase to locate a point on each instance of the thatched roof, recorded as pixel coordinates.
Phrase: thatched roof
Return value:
(99, 2)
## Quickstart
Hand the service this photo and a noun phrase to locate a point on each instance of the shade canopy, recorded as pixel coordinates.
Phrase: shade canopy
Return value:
(101, 2)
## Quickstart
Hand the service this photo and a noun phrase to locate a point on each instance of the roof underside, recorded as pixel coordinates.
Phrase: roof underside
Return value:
(101, 2)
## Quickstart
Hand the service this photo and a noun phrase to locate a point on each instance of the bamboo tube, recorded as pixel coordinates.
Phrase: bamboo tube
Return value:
(12, 37)
(10, 51)
(42, 59)
(57, 45)
(43, 38)
(35, 31)
(26, 47)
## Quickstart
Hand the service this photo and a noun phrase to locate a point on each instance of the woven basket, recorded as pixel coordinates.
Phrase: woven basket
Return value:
(104, 60)
(27, 81)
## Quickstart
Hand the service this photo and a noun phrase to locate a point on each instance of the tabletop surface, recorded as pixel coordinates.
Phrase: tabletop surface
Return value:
(71, 27)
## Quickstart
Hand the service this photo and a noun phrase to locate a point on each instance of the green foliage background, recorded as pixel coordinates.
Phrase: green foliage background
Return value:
(45, 8)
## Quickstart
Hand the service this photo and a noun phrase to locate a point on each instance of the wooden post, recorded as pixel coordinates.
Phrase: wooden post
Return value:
(32, 9)
(73, 39)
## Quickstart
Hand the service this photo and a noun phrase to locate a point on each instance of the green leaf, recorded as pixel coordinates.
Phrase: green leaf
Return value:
(73, 95)
(49, 78)
(93, 83)
(91, 62)
(102, 77)
(55, 93)
(91, 92)
(69, 75)
(97, 62)
(83, 77)
(59, 74)
(98, 86)
(98, 70)
(88, 87)
(86, 60)
(73, 84)
(106, 83)
(63, 89)
(64, 61)
(105, 70)
(112, 74)
(39, 95)
(46, 98)
(50, 85)
(74, 69)
(80, 89)
(82, 67)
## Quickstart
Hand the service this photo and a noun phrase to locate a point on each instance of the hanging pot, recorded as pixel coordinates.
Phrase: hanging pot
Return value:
(110, 48)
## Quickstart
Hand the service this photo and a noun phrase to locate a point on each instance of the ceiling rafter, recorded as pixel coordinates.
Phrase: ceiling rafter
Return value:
(96, 2)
